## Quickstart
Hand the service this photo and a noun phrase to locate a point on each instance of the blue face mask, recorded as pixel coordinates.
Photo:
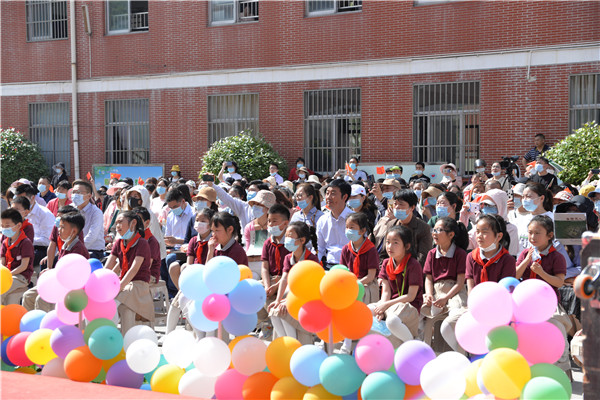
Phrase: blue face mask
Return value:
(290, 244)
(8, 232)
(430, 201)
(177, 211)
(57, 170)
(418, 193)
(401, 214)
(388, 195)
(199, 205)
(161, 190)
(274, 231)
(301, 176)
(529, 205)
(419, 172)
(442, 211)
(42, 188)
(173, 173)
(302, 204)
(257, 211)
(77, 199)
(354, 203)
(397, 176)
(352, 234)
(299, 165)
(390, 176)
(231, 170)
(61, 196)
(597, 206)
(352, 166)
(250, 195)
(495, 173)
(518, 202)
(538, 168)
(127, 235)
(57, 221)
(485, 210)
(272, 173)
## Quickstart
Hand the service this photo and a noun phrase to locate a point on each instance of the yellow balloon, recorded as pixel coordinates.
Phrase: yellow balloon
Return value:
(106, 364)
(26, 370)
(245, 272)
(5, 279)
(288, 389)
(304, 280)
(166, 379)
(37, 347)
(504, 373)
(471, 377)
(279, 354)
(319, 393)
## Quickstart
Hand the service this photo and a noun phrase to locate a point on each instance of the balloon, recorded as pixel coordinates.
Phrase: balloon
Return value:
(339, 266)
(490, 296)
(314, 316)
(95, 324)
(305, 364)
(304, 280)
(553, 372)
(195, 384)
(319, 393)
(502, 336)
(279, 354)
(166, 378)
(353, 322)
(221, 274)
(95, 264)
(15, 350)
(413, 392)
(103, 285)
(293, 304)
(161, 362)
(374, 353)
(542, 388)
(504, 372)
(37, 347)
(138, 332)
(258, 386)
(192, 284)
(230, 385)
(31, 320)
(76, 300)
(106, 343)
(324, 334)
(121, 375)
(66, 316)
(10, 319)
(177, 347)
(382, 385)
(216, 307)
(534, 301)
(66, 338)
(81, 365)
(215, 350)
(51, 321)
(49, 288)
(107, 364)
(444, 377)
(361, 291)
(5, 279)
(509, 283)
(288, 389)
(340, 375)
(239, 324)
(248, 356)
(471, 334)
(143, 356)
(198, 319)
(471, 378)
(5, 358)
(245, 272)
(73, 271)
(339, 289)
(55, 368)
(248, 297)
(95, 310)
(540, 343)
(410, 359)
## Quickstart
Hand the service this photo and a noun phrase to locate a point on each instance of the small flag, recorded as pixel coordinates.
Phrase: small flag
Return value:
(566, 189)
(140, 181)
(531, 164)
(51, 188)
(114, 175)
(89, 176)
(380, 170)
(348, 169)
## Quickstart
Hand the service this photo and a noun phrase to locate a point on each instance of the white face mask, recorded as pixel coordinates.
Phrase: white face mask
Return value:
(201, 227)
(491, 247)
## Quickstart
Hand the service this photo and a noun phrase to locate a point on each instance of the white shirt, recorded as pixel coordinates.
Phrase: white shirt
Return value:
(522, 231)
(358, 174)
(235, 176)
(278, 179)
(177, 225)
(42, 220)
(93, 230)
(240, 208)
(331, 234)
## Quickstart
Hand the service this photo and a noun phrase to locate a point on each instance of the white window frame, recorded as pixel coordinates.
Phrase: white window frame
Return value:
(215, 131)
(34, 10)
(236, 15)
(129, 29)
(334, 10)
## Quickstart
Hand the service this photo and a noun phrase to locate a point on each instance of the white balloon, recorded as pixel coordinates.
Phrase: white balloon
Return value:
(193, 383)
(55, 368)
(443, 380)
(143, 356)
(248, 356)
(177, 348)
(215, 350)
(138, 332)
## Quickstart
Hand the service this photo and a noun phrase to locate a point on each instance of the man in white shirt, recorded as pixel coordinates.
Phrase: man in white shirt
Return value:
(93, 230)
(274, 172)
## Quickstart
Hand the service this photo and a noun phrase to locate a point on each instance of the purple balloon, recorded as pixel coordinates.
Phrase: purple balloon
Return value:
(66, 338)
(121, 375)
(410, 359)
(51, 321)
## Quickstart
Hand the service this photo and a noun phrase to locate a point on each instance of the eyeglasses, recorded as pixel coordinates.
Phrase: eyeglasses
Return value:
(437, 231)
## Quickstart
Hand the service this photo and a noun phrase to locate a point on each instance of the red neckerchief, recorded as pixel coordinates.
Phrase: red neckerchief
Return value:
(533, 275)
(277, 255)
(200, 249)
(147, 234)
(366, 246)
(124, 250)
(9, 247)
(477, 257)
(393, 272)
(26, 223)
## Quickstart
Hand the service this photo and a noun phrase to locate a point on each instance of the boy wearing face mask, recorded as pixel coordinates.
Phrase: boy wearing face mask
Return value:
(44, 189)
(544, 172)
(16, 254)
(274, 172)
(274, 251)
(419, 173)
(93, 231)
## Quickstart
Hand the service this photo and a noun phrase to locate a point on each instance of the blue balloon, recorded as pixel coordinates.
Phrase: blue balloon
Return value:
(340, 375)
(146, 386)
(382, 385)
(95, 264)
(239, 324)
(4, 355)
(248, 297)
(305, 364)
(106, 342)
(352, 396)
(509, 283)
(198, 320)
(192, 284)
(31, 320)
(221, 274)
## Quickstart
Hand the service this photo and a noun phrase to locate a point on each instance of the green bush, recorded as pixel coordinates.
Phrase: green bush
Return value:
(251, 152)
(20, 158)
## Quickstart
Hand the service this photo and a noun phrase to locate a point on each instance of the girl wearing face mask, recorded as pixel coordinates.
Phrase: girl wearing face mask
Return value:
(447, 205)
(497, 176)
(62, 199)
(138, 196)
(359, 202)
(133, 253)
(536, 201)
(515, 206)
(229, 169)
(308, 200)
(255, 231)
(159, 196)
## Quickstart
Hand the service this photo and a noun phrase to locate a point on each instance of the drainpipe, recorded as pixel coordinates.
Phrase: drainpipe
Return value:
(74, 88)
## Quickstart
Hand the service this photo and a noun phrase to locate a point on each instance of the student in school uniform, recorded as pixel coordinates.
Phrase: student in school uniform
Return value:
(22, 204)
(256, 231)
(16, 254)
(225, 238)
(145, 215)
(70, 230)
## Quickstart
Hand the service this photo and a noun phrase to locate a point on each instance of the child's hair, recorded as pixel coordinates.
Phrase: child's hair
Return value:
(143, 213)
(498, 225)
(407, 196)
(541, 190)
(310, 190)
(361, 220)
(74, 218)
(302, 230)
(133, 216)
(226, 220)
(461, 236)
(405, 234)
(13, 215)
(281, 210)
(206, 212)
(281, 199)
(545, 221)
(23, 201)
(240, 191)
(64, 184)
(67, 209)
(453, 199)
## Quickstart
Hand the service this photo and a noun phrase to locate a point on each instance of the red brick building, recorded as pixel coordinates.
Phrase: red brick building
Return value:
(393, 81)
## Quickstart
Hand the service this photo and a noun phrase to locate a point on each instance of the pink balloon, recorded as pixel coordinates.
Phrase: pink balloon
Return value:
(534, 301)
(471, 334)
(66, 316)
(49, 288)
(96, 309)
(103, 285)
(540, 343)
(229, 385)
(55, 368)
(490, 303)
(73, 271)
(374, 353)
(215, 307)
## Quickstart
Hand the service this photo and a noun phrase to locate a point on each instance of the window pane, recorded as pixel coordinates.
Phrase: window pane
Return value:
(222, 10)
(127, 131)
(584, 99)
(228, 115)
(46, 20)
(49, 127)
(118, 15)
(321, 5)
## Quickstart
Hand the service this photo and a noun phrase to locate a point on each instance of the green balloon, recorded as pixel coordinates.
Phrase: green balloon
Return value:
(106, 342)
(544, 388)
(339, 266)
(76, 300)
(95, 324)
(552, 372)
(502, 336)
(361, 291)
(101, 376)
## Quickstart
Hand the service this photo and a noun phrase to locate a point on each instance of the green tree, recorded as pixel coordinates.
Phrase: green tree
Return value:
(20, 158)
(249, 150)
(577, 153)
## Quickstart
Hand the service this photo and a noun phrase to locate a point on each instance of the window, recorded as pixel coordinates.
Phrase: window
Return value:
(331, 128)
(127, 16)
(230, 114)
(233, 11)
(446, 124)
(318, 7)
(49, 127)
(127, 131)
(584, 100)
(46, 20)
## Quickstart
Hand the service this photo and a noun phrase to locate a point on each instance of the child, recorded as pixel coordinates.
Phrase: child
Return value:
(144, 214)
(22, 204)
(16, 254)
(225, 236)
(69, 230)
(274, 252)
(402, 286)
(132, 252)
(255, 231)
(56, 243)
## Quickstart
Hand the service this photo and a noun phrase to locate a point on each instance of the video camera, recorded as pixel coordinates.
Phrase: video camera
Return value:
(512, 169)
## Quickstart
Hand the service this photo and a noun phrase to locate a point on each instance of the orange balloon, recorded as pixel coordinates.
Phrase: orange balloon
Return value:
(26, 370)
(353, 322)
(319, 393)
(413, 392)
(288, 389)
(324, 335)
(338, 289)
(106, 364)
(304, 280)
(278, 355)
(258, 386)
(293, 304)
(245, 272)
(10, 319)
(81, 365)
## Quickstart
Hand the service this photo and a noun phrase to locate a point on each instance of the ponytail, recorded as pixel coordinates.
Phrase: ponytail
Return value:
(461, 236)
(226, 220)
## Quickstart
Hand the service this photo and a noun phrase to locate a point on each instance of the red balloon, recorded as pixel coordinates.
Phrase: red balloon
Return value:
(314, 316)
(15, 350)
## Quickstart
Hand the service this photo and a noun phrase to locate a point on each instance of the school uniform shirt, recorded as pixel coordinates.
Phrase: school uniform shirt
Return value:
(155, 254)
(139, 249)
(270, 253)
(309, 219)
(289, 262)
(43, 221)
(448, 266)
(503, 267)
(54, 237)
(192, 250)
(552, 262)
(53, 205)
(368, 260)
(22, 250)
(176, 225)
(331, 234)
(93, 230)
(233, 250)
(75, 247)
(412, 276)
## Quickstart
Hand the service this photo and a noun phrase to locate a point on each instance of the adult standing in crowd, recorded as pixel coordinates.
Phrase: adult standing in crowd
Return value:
(175, 174)
(540, 148)
(59, 174)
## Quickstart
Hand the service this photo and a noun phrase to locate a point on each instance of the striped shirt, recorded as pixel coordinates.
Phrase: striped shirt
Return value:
(533, 154)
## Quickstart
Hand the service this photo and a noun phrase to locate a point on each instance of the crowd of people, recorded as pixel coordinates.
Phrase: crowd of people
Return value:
(417, 247)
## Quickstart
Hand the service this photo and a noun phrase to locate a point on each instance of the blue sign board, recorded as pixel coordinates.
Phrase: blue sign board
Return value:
(102, 172)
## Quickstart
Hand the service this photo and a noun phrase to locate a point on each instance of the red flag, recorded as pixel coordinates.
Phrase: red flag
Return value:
(381, 170)
(140, 181)
(568, 190)
(531, 164)
(348, 169)
(115, 175)
(89, 176)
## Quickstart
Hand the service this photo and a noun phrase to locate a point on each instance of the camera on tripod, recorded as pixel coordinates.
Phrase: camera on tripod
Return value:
(512, 169)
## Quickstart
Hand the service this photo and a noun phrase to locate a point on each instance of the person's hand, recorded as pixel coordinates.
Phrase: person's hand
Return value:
(170, 241)
(282, 308)
(44, 260)
(272, 290)
(428, 299)
(122, 286)
(536, 268)
(529, 254)
(441, 302)
(184, 247)
(210, 183)
(212, 244)
(381, 307)
(376, 191)
(272, 306)
(109, 246)
(510, 205)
